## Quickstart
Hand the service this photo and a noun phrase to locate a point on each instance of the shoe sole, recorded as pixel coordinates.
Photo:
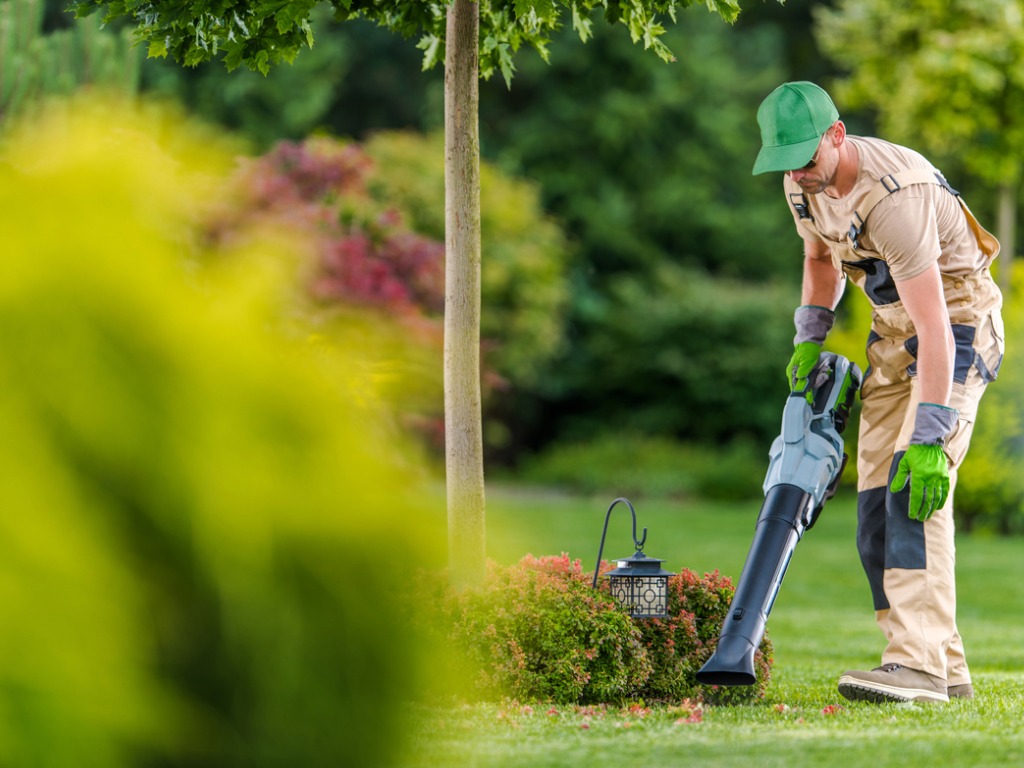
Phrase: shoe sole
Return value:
(855, 689)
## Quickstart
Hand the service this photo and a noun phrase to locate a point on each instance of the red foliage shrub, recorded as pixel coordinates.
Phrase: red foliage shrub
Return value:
(367, 256)
(539, 631)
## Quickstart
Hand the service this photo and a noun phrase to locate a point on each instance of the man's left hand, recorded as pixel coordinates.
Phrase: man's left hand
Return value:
(928, 471)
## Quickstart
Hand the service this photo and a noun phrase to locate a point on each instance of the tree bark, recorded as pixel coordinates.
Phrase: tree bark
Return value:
(464, 463)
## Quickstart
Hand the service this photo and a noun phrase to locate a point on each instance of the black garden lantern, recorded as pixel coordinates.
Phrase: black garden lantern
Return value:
(639, 582)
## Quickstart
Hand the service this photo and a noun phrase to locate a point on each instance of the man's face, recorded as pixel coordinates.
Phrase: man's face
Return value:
(820, 172)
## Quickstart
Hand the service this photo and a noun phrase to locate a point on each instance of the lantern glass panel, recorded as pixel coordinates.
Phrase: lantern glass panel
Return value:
(643, 597)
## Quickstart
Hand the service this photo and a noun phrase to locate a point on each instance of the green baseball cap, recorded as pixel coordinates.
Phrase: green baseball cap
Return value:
(793, 119)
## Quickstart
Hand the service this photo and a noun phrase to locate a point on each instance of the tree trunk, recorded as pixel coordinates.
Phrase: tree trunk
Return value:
(1006, 228)
(463, 421)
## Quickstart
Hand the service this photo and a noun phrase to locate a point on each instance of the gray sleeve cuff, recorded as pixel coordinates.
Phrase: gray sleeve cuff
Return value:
(933, 424)
(812, 323)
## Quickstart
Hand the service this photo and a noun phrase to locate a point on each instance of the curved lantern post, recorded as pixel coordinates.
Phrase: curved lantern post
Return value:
(638, 582)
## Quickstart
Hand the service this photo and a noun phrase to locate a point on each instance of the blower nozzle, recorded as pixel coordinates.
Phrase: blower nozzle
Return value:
(806, 462)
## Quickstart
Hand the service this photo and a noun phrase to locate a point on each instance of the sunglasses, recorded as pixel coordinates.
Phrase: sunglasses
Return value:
(812, 162)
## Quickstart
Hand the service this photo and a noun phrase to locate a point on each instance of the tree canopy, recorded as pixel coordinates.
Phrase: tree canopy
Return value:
(946, 78)
(261, 33)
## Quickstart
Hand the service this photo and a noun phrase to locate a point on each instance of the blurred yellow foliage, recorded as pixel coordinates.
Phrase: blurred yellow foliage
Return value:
(206, 518)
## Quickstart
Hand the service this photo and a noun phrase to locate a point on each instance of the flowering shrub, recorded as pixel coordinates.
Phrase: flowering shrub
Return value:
(374, 216)
(367, 254)
(539, 631)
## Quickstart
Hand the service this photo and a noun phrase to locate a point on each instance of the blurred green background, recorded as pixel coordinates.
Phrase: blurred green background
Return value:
(638, 281)
(221, 312)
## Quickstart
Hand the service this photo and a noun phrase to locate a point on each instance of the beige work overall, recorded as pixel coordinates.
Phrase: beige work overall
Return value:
(909, 564)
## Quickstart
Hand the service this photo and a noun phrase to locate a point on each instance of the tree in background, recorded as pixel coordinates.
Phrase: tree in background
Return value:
(644, 162)
(945, 78)
(648, 168)
(37, 61)
(473, 41)
(948, 79)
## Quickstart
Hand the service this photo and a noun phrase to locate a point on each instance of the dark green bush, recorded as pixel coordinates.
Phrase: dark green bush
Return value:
(538, 631)
(990, 486)
(633, 465)
(681, 353)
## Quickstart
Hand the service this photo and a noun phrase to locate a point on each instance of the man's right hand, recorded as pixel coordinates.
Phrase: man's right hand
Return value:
(812, 326)
(805, 358)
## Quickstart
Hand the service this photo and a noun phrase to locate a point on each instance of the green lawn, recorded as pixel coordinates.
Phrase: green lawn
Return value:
(821, 625)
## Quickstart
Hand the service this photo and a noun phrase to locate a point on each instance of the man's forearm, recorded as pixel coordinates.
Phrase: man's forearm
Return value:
(823, 284)
(935, 353)
(923, 299)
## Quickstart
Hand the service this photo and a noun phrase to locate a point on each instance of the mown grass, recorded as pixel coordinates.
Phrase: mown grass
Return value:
(821, 625)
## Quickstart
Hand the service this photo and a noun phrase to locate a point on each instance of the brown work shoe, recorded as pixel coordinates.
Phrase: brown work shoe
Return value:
(962, 691)
(892, 682)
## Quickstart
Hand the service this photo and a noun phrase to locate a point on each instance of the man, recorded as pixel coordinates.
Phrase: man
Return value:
(882, 216)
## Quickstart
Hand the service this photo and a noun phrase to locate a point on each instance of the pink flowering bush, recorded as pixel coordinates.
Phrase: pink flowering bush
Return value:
(371, 219)
(538, 631)
(367, 254)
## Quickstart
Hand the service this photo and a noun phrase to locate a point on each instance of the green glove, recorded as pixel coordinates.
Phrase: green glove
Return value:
(812, 326)
(925, 461)
(929, 479)
(805, 357)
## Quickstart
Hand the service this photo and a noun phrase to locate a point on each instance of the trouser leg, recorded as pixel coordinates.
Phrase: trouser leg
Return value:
(910, 565)
(922, 595)
(881, 420)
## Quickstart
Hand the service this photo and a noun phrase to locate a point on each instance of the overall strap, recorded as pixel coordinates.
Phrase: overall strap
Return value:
(799, 202)
(886, 186)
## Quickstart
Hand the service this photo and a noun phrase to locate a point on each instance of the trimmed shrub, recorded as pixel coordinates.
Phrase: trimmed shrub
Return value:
(538, 631)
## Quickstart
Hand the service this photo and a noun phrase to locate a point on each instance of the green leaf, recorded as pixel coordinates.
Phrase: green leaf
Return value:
(233, 59)
(727, 9)
(505, 62)
(261, 63)
(431, 46)
(581, 24)
(545, 9)
(157, 49)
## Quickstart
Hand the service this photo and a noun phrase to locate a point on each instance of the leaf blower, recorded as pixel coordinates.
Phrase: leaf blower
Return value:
(805, 464)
